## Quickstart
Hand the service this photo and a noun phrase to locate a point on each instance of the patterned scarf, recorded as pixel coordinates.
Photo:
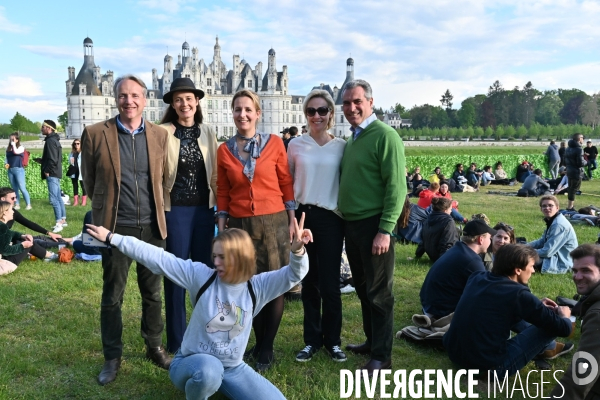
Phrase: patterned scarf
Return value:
(253, 148)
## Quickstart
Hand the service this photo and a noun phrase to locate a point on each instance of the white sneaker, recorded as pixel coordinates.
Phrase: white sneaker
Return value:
(347, 289)
(78, 237)
(57, 228)
(53, 256)
(64, 223)
(28, 207)
(17, 207)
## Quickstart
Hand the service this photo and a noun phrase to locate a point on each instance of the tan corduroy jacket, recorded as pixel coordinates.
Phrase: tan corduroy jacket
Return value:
(208, 146)
(101, 169)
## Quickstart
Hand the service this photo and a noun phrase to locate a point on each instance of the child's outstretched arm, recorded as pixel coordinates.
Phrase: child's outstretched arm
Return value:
(185, 273)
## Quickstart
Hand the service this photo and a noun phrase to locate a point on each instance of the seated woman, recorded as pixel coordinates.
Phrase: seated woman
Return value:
(410, 223)
(435, 176)
(459, 176)
(490, 179)
(426, 195)
(535, 185)
(505, 234)
(523, 171)
(439, 231)
(15, 246)
(561, 183)
(227, 299)
(445, 192)
(417, 181)
(499, 171)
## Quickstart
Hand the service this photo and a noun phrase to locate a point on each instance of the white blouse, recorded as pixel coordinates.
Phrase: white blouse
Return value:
(316, 170)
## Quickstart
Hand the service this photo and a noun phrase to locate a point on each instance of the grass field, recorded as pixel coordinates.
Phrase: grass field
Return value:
(50, 333)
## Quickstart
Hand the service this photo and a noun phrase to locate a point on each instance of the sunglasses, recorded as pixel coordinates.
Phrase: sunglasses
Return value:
(323, 111)
(505, 227)
(13, 198)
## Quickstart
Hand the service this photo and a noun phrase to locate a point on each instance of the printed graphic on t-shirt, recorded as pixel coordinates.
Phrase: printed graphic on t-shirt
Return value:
(231, 319)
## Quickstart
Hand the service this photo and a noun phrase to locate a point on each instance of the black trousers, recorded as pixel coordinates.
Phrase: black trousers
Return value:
(321, 285)
(116, 270)
(373, 279)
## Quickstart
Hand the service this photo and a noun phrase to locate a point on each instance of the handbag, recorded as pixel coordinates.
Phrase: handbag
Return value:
(72, 170)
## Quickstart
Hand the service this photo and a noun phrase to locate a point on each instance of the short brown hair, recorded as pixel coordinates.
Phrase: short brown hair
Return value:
(551, 198)
(441, 204)
(586, 250)
(249, 94)
(240, 256)
(512, 256)
(434, 186)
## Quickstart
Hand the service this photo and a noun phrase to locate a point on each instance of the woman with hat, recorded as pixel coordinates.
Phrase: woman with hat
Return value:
(255, 193)
(189, 193)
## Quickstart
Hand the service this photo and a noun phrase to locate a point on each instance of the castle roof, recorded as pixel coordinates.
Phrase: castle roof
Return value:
(86, 76)
(87, 40)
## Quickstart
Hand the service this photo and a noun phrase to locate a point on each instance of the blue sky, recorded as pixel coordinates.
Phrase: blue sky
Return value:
(411, 51)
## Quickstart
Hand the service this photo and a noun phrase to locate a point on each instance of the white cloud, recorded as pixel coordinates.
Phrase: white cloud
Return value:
(19, 86)
(35, 110)
(7, 26)
(170, 7)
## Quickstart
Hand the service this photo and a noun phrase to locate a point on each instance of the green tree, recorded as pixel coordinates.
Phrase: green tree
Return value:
(446, 100)
(522, 132)
(588, 112)
(489, 132)
(20, 123)
(548, 108)
(509, 131)
(466, 114)
(478, 132)
(499, 132)
(63, 119)
(469, 132)
(534, 130)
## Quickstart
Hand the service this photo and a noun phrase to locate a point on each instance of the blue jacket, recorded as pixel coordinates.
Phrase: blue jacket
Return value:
(555, 245)
(552, 153)
(489, 307)
(412, 232)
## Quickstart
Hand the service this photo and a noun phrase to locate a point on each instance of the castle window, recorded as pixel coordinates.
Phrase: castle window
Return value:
(106, 101)
(208, 82)
(84, 117)
(224, 104)
(152, 101)
(107, 110)
(231, 130)
(82, 102)
(216, 104)
(225, 118)
(210, 104)
(209, 91)
(152, 116)
(216, 117)
(83, 110)
(341, 119)
(216, 129)
(210, 117)
(160, 103)
(293, 119)
(249, 83)
(160, 115)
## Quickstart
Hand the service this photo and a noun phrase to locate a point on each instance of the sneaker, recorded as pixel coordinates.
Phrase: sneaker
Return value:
(53, 256)
(57, 228)
(17, 207)
(77, 237)
(337, 354)
(559, 350)
(306, 354)
(64, 223)
(28, 207)
(347, 289)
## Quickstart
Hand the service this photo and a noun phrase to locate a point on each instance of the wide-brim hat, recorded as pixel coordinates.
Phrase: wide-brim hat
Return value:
(182, 85)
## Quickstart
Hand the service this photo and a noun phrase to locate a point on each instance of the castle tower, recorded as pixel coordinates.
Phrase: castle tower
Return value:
(349, 69)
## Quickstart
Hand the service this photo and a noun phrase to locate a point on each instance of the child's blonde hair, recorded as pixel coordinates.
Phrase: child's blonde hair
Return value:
(240, 256)
(4, 207)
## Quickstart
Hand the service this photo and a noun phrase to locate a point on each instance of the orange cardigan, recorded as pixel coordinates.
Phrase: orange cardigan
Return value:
(271, 187)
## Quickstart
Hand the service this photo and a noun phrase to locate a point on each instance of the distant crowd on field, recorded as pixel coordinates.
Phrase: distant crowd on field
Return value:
(285, 211)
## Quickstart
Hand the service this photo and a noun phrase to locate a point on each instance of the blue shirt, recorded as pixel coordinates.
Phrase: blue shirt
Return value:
(140, 129)
(356, 131)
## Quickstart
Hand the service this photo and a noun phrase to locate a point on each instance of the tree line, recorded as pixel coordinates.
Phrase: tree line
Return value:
(505, 108)
(23, 125)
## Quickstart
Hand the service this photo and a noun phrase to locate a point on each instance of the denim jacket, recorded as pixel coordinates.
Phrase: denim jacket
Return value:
(555, 245)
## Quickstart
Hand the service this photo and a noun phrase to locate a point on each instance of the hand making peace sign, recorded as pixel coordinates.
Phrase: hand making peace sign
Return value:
(301, 236)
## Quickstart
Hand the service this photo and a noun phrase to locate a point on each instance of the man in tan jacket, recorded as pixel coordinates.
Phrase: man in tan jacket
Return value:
(123, 160)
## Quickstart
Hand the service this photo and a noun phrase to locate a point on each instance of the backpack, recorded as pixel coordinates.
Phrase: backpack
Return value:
(26, 155)
(212, 278)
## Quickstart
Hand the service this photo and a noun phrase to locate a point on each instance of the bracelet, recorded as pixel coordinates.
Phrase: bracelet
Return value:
(108, 236)
(299, 252)
(384, 232)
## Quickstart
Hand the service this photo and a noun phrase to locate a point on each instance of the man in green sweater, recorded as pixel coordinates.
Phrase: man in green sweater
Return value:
(372, 192)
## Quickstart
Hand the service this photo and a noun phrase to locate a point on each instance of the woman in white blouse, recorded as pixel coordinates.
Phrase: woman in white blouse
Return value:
(314, 160)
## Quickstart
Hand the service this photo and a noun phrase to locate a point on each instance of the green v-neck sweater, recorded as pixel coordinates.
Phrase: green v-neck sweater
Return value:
(373, 178)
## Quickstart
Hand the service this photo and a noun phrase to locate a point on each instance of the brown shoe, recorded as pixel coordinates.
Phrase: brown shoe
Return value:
(373, 365)
(559, 350)
(363, 348)
(159, 356)
(109, 371)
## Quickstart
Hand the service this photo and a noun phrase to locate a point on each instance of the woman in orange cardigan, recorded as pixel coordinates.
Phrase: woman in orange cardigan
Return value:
(255, 193)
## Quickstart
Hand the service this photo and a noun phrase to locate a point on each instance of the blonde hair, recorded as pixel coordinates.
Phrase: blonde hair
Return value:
(323, 94)
(246, 93)
(4, 207)
(240, 256)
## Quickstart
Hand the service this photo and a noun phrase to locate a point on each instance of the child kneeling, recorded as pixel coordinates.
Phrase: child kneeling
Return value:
(225, 301)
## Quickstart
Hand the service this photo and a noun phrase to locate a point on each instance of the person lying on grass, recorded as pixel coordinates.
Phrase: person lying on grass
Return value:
(210, 357)
(15, 246)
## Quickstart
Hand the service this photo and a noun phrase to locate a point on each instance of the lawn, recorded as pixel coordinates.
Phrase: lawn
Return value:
(50, 333)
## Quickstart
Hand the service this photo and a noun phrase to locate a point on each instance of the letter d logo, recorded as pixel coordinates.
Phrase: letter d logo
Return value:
(582, 363)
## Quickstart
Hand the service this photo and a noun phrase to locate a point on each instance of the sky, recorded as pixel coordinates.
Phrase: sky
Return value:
(410, 51)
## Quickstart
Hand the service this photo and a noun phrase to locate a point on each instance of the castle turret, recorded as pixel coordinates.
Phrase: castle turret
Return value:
(154, 79)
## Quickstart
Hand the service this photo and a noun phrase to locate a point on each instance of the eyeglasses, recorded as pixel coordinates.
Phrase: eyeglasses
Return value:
(551, 205)
(504, 227)
(323, 111)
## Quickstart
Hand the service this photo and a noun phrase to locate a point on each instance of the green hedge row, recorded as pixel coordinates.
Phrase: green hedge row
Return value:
(448, 163)
(37, 187)
(38, 190)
